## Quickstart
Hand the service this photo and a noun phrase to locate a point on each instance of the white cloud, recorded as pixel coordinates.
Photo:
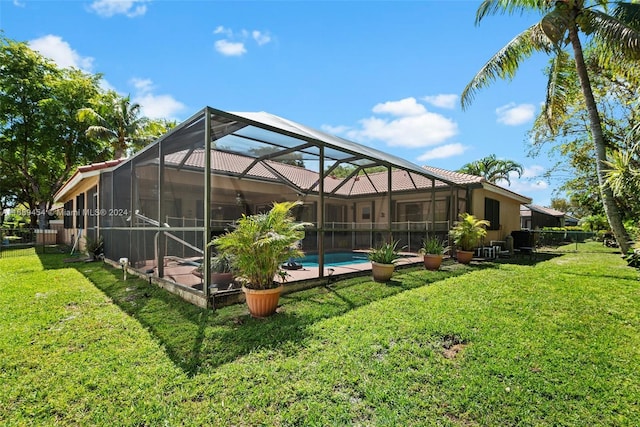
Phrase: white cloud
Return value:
(442, 101)
(531, 171)
(19, 3)
(222, 30)
(260, 37)
(335, 130)
(235, 42)
(530, 181)
(413, 126)
(129, 8)
(142, 85)
(228, 48)
(154, 106)
(404, 107)
(514, 115)
(443, 152)
(60, 52)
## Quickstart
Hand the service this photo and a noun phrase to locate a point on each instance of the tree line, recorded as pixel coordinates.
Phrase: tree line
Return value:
(591, 107)
(53, 120)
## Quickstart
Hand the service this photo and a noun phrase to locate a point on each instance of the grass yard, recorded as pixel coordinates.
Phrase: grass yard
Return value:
(555, 341)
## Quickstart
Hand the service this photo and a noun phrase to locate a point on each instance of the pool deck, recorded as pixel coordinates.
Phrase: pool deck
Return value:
(308, 273)
(181, 272)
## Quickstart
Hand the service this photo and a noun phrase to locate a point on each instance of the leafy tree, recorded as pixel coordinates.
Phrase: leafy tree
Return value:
(594, 223)
(615, 92)
(561, 205)
(151, 130)
(561, 25)
(41, 141)
(116, 121)
(492, 168)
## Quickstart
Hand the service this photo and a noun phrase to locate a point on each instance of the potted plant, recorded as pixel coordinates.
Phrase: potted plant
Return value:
(383, 260)
(222, 273)
(467, 234)
(433, 251)
(259, 244)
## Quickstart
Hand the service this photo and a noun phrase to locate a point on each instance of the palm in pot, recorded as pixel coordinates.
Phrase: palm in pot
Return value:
(467, 235)
(258, 245)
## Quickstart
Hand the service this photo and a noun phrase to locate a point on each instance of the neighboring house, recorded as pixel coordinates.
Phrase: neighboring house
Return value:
(155, 209)
(79, 202)
(534, 217)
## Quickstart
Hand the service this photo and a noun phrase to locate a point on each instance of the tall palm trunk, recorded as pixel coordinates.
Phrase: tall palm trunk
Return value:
(608, 201)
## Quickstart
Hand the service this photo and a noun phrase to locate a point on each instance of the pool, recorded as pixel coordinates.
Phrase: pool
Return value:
(335, 259)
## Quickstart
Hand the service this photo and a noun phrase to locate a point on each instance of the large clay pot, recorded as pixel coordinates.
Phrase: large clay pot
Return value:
(432, 262)
(382, 272)
(464, 257)
(262, 302)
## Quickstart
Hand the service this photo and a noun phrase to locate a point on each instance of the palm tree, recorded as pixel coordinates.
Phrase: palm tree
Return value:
(116, 121)
(560, 26)
(493, 169)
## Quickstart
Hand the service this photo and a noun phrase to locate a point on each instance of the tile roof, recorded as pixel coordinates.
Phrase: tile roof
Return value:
(544, 210)
(99, 166)
(457, 177)
(305, 179)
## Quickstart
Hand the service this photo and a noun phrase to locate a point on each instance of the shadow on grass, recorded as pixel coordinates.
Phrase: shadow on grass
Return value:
(533, 259)
(199, 340)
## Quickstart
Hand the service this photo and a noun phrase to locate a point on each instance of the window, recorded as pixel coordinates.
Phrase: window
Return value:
(492, 213)
(366, 213)
(80, 211)
(67, 215)
(410, 212)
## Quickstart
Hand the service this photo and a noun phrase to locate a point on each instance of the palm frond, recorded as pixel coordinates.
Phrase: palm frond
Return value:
(100, 132)
(617, 36)
(560, 78)
(506, 61)
(509, 7)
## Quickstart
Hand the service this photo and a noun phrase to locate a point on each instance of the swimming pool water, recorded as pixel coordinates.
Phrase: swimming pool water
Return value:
(335, 259)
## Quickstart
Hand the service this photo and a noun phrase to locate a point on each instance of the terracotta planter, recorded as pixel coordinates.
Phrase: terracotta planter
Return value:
(432, 262)
(262, 302)
(464, 257)
(382, 272)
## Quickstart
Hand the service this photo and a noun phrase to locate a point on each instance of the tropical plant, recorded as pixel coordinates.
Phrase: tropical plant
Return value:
(386, 253)
(260, 243)
(493, 169)
(220, 263)
(117, 121)
(633, 258)
(559, 27)
(432, 246)
(94, 247)
(469, 231)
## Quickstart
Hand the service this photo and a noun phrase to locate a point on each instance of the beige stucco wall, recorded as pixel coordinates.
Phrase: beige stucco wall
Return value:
(509, 212)
(68, 235)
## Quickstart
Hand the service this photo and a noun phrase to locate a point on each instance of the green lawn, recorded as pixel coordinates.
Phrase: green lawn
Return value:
(552, 342)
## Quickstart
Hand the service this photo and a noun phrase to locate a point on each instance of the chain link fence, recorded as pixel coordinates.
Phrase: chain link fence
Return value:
(17, 242)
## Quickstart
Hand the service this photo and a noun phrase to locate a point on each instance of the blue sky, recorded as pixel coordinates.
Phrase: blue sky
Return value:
(387, 74)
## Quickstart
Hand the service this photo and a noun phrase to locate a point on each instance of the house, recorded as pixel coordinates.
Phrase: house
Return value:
(534, 217)
(78, 199)
(159, 208)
